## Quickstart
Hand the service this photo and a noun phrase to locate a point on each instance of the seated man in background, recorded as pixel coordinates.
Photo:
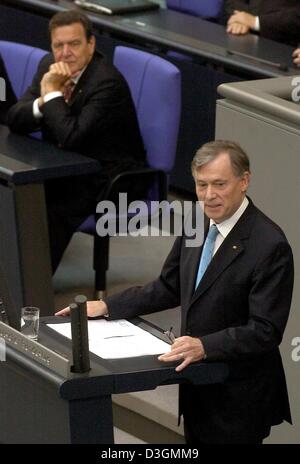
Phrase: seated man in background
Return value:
(82, 103)
(273, 19)
(235, 294)
(7, 96)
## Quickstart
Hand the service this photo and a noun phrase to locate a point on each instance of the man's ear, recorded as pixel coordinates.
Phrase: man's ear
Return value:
(246, 181)
(92, 44)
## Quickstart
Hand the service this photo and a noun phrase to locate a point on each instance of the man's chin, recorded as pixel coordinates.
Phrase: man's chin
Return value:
(213, 211)
(74, 71)
(73, 68)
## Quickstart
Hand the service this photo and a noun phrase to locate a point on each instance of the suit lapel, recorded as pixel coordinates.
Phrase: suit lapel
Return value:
(77, 92)
(230, 249)
(85, 79)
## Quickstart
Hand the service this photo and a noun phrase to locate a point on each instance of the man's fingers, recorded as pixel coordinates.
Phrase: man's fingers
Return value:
(184, 364)
(60, 69)
(296, 56)
(237, 29)
(63, 312)
(171, 356)
(231, 20)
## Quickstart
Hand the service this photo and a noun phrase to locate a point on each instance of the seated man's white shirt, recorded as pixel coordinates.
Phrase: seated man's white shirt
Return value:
(257, 24)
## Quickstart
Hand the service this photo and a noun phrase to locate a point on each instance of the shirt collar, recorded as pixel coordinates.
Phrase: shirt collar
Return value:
(226, 226)
(76, 79)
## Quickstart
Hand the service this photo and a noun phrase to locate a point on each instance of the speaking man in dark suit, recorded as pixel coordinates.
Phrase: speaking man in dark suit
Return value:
(235, 293)
(274, 19)
(7, 96)
(82, 103)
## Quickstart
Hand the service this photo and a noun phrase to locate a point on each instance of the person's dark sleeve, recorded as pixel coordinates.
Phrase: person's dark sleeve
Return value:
(231, 5)
(20, 117)
(6, 92)
(269, 306)
(282, 26)
(162, 293)
(72, 131)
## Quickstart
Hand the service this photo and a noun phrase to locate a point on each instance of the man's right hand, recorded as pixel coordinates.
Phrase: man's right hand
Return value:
(296, 56)
(237, 29)
(94, 309)
(56, 78)
(240, 23)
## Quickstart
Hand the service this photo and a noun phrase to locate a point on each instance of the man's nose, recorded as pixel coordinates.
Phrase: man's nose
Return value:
(210, 192)
(66, 50)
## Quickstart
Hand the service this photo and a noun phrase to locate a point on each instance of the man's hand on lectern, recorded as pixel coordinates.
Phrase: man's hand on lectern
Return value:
(94, 309)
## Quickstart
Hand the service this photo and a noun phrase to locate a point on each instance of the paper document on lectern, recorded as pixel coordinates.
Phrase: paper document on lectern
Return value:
(117, 339)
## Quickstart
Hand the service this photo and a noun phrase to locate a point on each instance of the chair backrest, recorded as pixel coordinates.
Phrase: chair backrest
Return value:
(207, 9)
(155, 85)
(21, 62)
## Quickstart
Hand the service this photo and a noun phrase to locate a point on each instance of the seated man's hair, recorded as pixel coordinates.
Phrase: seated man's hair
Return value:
(66, 18)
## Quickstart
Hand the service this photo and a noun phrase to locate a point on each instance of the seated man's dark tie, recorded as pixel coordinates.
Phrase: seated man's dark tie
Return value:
(68, 90)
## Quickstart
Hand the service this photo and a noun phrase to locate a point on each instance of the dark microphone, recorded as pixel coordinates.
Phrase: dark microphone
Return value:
(80, 340)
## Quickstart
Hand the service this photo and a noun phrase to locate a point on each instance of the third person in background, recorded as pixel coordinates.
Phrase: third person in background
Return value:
(277, 20)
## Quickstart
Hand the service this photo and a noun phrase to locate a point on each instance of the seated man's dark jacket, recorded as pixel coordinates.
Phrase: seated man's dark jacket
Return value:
(279, 19)
(99, 121)
(10, 98)
(239, 310)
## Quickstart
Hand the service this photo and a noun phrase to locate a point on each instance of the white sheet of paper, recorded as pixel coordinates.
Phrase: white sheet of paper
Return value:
(117, 339)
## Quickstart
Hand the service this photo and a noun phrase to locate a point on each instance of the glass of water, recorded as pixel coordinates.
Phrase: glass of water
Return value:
(30, 322)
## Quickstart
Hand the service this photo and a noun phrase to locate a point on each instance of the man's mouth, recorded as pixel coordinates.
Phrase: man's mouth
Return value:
(213, 206)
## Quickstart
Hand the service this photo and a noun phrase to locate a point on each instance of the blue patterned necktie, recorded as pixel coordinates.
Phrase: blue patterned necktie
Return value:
(207, 252)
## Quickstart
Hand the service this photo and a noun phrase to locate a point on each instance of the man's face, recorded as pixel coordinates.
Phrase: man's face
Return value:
(70, 45)
(219, 188)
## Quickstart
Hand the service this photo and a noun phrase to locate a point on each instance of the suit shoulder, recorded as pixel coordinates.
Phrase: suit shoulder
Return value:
(103, 75)
(269, 230)
(105, 67)
(45, 62)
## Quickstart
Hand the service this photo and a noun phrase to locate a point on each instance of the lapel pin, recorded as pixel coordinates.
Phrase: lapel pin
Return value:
(234, 247)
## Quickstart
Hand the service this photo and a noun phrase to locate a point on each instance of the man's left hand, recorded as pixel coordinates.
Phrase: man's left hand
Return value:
(241, 17)
(296, 56)
(237, 29)
(185, 349)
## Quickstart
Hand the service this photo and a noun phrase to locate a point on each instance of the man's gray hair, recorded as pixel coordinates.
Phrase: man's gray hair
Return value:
(209, 151)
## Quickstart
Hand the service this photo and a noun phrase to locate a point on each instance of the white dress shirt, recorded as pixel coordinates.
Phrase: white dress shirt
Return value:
(226, 226)
(257, 24)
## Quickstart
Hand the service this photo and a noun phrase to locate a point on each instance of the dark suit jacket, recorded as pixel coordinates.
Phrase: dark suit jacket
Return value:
(279, 19)
(10, 98)
(99, 121)
(239, 311)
